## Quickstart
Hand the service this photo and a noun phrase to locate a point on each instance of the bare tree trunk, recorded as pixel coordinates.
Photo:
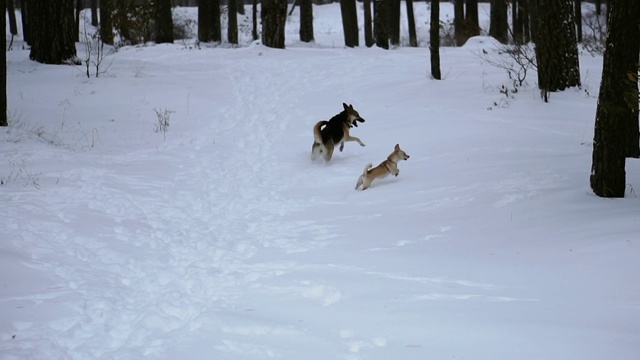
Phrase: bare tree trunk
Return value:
(459, 23)
(3, 80)
(274, 16)
(94, 12)
(473, 23)
(499, 26)
(434, 39)
(106, 24)
(306, 21)
(13, 25)
(349, 22)
(254, 16)
(578, 16)
(53, 34)
(381, 23)
(413, 37)
(164, 22)
(77, 19)
(216, 26)
(368, 23)
(394, 22)
(24, 15)
(232, 28)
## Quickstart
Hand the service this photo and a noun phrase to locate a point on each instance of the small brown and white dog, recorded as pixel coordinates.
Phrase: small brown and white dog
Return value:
(389, 166)
(328, 134)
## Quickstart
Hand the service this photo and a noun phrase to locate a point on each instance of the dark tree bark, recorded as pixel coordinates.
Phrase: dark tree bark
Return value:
(499, 26)
(523, 14)
(254, 16)
(471, 18)
(556, 47)
(598, 7)
(368, 23)
(53, 34)
(232, 28)
(394, 22)
(240, 7)
(616, 129)
(24, 15)
(13, 25)
(381, 23)
(3, 80)
(434, 39)
(578, 16)
(516, 22)
(413, 37)
(164, 22)
(306, 21)
(106, 21)
(349, 22)
(459, 22)
(204, 20)
(94, 12)
(78, 10)
(274, 16)
(216, 25)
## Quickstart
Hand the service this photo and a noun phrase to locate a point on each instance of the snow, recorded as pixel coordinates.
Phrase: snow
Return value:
(219, 238)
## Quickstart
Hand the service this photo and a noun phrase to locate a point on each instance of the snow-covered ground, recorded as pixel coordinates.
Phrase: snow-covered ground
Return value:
(219, 238)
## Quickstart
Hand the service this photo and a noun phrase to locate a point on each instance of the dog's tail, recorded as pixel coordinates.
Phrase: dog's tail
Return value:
(364, 173)
(317, 135)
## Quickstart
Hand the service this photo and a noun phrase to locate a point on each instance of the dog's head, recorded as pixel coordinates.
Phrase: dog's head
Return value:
(399, 153)
(352, 115)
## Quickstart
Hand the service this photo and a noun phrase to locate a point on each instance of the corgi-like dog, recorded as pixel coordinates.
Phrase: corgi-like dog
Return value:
(389, 166)
(328, 134)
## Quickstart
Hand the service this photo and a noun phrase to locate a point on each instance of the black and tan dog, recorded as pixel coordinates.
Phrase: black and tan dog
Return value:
(389, 166)
(334, 132)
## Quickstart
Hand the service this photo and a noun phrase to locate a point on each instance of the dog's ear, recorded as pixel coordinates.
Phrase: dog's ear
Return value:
(397, 148)
(344, 105)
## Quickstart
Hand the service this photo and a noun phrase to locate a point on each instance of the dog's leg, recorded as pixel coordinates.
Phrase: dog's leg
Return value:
(329, 150)
(353, 138)
(360, 181)
(341, 145)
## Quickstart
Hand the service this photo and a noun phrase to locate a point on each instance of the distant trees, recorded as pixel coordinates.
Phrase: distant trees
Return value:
(274, 16)
(499, 26)
(616, 128)
(306, 21)
(556, 47)
(209, 27)
(434, 39)
(106, 21)
(381, 23)
(52, 32)
(349, 22)
(163, 22)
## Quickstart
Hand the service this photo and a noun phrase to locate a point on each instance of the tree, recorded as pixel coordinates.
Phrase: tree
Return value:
(13, 25)
(434, 39)
(368, 23)
(394, 22)
(381, 23)
(254, 16)
(499, 27)
(578, 17)
(413, 37)
(106, 21)
(24, 15)
(53, 32)
(209, 21)
(459, 23)
(274, 16)
(77, 19)
(471, 18)
(3, 80)
(616, 128)
(163, 22)
(306, 21)
(556, 47)
(349, 22)
(94, 13)
(232, 28)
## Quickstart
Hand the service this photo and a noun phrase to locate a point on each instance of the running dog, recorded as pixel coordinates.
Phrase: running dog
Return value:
(389, 166)
(327, 134)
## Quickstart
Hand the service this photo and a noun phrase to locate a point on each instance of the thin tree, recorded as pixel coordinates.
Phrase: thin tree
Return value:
(53, 34)
(394, 22)
(578, 16)
(381, 23)
(434, 39)
(94, 12)
(216, 25)
(413, 37)
(3, 80)
(77, 19)
(13, 25)
(274, 17)
(163, 22)
(616, 128)
(306, 21)
(254, 16)
(499, 26)
(205, 21)
(556, 46)
(516, 23)
(459, 22)
(232, 28)
(368, 23)
(349, 22)
(106, 21)
(24, 16)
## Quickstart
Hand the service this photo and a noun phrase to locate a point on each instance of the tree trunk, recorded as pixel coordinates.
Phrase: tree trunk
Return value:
(459, 23)
(53, 33)
(204, 21)
(232, 28)
(394, 22)
(13, 25)
(164, 22)
(94, 13)
(523, 14)
(555, 45)
(616, 129)
(434, 39)
(413, 37)
(274, 16)
(106, 23)
(499, 26)
(306, 21)
(3, 80)
(578, 16)
(349, 22)
(24, 15)
(216, 25)
(381, 23)
(254, 16)
(368, 23)
(473, 23)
